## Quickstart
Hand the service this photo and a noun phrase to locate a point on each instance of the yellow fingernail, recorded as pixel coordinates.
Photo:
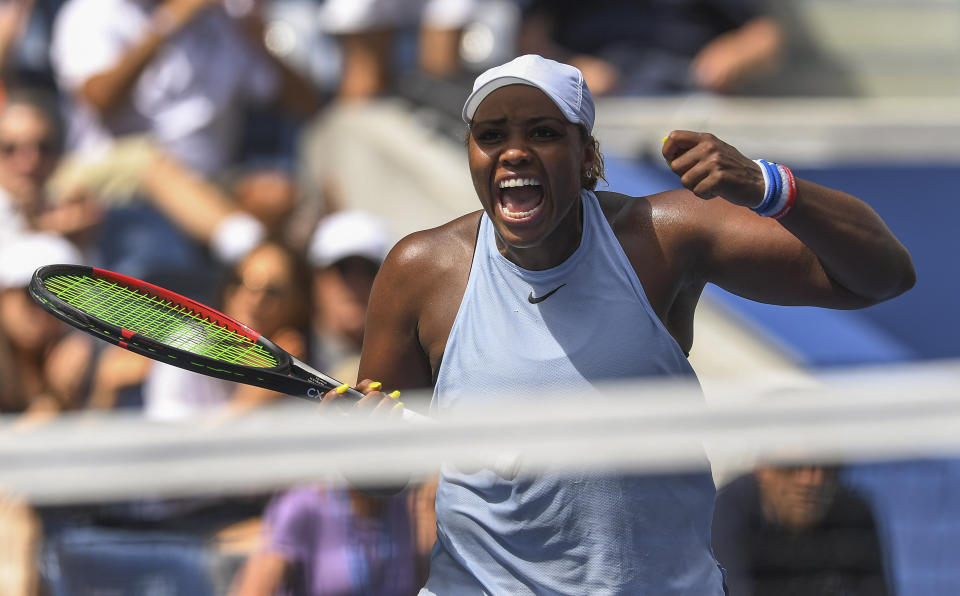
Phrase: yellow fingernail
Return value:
(342, 388)
(375, 385)
(395, 394)
(399, 404)
(664, 139)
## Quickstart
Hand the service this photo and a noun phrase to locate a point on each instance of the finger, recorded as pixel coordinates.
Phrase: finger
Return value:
(331, 397)
(700, 181)
(370, 400)
(386, 406)
(679, 142)
(707, 187)
(389, 407)
(689, 159)
(366, 386)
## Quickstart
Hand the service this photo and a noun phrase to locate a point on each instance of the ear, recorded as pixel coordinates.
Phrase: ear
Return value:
(590, 169)
(589, 153)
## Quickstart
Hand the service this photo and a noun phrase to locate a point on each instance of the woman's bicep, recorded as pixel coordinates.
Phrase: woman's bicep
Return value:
(759, 259)
(391, 348)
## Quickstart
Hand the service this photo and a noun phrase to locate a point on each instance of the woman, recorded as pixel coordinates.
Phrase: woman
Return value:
(552, 283)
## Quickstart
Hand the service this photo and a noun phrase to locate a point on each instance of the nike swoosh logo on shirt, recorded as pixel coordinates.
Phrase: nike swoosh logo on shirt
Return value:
(534, 300)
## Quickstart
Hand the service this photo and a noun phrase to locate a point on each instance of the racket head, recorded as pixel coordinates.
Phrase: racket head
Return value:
(157, 323)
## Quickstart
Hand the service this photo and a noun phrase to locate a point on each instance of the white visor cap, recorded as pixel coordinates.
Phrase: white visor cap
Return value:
(345, 234)
(562, 83)
(22, 255)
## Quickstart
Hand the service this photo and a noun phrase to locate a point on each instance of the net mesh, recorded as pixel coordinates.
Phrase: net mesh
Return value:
(160, 320)
(885, 441)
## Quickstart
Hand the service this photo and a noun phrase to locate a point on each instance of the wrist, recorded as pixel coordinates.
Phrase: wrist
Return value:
(780, 190)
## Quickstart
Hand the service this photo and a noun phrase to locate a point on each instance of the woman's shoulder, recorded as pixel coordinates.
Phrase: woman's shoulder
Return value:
(617, 204)
(450, 245)
(673, 214)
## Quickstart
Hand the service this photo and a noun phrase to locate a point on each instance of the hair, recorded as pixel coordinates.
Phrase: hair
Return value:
(597, 171)
(591, 177)
(43, 102)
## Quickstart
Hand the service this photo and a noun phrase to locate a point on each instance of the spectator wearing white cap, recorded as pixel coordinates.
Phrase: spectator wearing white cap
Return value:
(44, 366)
(345, 251)
(367, 29)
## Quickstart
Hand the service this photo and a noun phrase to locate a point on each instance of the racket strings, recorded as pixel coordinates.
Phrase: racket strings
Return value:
(161, 320)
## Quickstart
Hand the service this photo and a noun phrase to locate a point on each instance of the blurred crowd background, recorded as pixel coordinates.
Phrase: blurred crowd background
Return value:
(263, 156)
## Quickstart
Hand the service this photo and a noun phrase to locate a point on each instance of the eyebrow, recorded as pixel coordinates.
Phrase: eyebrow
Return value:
(527, 122)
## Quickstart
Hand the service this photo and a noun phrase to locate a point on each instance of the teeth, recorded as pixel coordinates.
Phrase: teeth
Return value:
(521, 214)
(515, 182)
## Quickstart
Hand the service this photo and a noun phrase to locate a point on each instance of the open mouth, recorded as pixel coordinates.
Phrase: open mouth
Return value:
(520, 198)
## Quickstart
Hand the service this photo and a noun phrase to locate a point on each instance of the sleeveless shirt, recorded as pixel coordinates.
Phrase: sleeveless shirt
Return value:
(583, 321)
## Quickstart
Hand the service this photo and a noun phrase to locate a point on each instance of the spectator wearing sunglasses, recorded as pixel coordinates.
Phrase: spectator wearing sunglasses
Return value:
(268, 290)
(30, 150)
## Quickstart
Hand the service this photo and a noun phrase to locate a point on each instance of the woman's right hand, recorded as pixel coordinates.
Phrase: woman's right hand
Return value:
(374, 403)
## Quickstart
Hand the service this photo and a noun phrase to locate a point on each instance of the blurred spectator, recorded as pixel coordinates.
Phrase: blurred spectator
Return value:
(268, 291)
(19, 542)
(650, 47)
(367, 31)
(30, 143)
(322, 541)
(14, 17)
(208, 214)
(29, 147)
(179, 71)
(45, 365)
(346, 251)
(24, 43)
(269, 194)
(795, 530)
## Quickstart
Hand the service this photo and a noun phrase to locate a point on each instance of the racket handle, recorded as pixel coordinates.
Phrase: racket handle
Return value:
(408, 415)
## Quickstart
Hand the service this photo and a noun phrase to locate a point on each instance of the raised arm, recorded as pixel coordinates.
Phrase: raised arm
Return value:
(831, 249)
(105, 90)
(729, 59)
(296, 93)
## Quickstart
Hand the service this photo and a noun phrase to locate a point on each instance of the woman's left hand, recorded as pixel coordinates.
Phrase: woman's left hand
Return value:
(710, 168)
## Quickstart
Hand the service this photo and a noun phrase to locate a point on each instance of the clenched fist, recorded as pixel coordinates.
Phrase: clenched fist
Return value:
(710, 168)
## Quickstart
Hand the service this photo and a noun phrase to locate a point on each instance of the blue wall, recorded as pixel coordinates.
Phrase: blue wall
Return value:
(921, 206)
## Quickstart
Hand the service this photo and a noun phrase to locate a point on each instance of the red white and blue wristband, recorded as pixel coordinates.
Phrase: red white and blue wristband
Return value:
(780, 190)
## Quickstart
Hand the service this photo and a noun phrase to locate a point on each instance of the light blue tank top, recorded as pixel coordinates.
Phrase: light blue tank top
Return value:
(572, 534)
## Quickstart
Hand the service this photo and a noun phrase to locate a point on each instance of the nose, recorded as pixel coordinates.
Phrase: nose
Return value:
(515, 151)
(810, 475)
(29, 161)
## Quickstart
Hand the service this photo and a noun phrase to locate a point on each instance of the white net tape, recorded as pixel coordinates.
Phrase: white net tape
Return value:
(870, 415)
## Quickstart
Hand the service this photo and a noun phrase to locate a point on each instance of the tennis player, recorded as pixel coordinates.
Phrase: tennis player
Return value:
(555, 284)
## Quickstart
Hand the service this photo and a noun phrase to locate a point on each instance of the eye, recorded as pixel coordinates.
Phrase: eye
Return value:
(544, 132)
(489, 135)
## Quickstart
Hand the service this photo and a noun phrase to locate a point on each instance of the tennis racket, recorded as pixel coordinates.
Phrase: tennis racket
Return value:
(170, 328)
